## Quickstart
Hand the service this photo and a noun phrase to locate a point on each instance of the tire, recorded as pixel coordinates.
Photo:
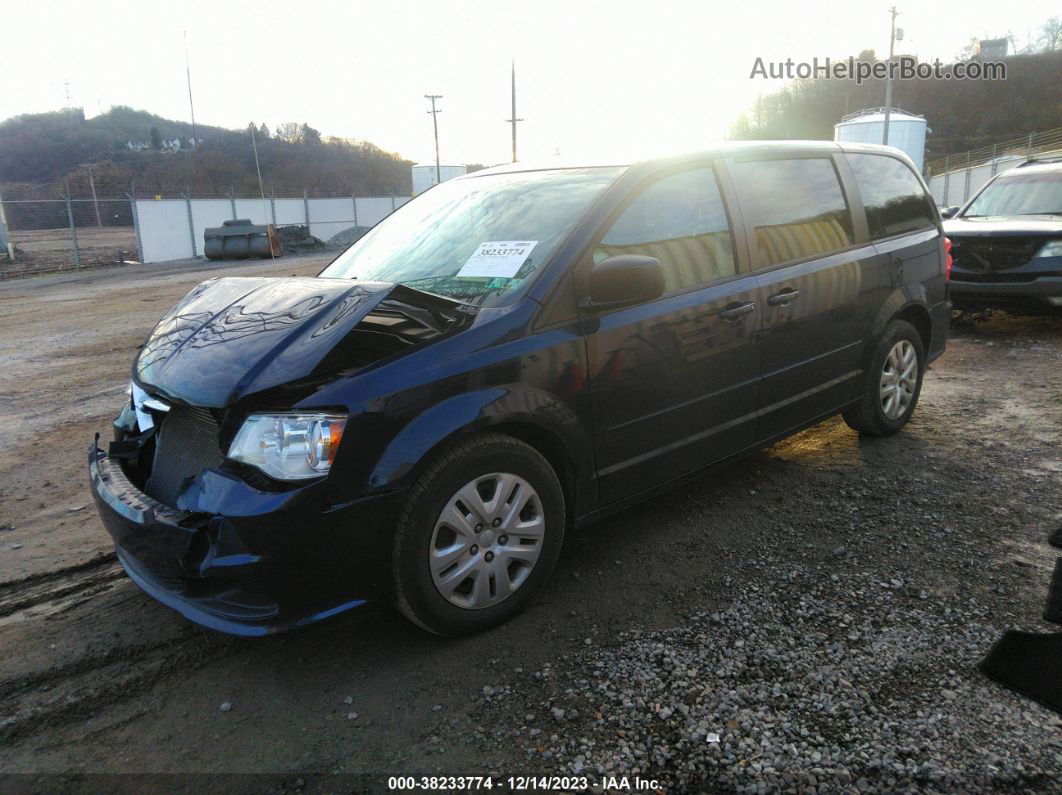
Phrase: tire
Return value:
(456, 570)
(874, 415)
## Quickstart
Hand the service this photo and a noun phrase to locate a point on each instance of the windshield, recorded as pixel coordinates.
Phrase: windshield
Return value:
(1028, 194)
(478, 239)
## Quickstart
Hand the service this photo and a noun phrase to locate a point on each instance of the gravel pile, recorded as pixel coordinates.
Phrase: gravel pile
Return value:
(341, 240)
(803, 683)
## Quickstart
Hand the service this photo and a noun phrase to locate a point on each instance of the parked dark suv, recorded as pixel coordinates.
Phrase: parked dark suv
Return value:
(509, 356)
(1008, 240)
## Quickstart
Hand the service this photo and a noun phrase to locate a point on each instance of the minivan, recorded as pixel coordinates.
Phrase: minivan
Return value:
(509, 356)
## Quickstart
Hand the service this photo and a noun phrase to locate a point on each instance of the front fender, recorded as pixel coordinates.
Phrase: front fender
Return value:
(448, 420)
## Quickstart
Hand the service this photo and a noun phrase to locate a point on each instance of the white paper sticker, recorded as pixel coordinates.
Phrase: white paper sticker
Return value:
(498, 258)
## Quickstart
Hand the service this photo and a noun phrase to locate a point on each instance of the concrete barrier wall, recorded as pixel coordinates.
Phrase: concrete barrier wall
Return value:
(957, 187)
(290, 211)
(255, 209)
(329, 217)
(165, 233)
(205, 214)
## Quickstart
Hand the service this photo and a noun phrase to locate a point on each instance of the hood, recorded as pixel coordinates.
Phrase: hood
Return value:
(1010, 225)
(232, 337)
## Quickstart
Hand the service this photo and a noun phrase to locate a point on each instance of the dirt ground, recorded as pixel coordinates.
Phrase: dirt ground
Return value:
(45, 250)
(95, 677)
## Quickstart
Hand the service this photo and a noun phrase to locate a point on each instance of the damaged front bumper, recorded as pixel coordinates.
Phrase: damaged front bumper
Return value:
(1042, 291)
(251, 562)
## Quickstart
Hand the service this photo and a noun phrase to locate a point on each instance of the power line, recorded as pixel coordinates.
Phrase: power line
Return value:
(435, 123)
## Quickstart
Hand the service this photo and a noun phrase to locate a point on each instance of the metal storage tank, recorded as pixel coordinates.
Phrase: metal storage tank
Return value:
(424, 175)
(907, 131)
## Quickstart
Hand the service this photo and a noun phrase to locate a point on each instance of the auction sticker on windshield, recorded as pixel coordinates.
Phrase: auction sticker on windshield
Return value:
(498, 258)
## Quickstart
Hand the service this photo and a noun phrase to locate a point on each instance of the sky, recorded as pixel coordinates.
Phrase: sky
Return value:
(594, 79)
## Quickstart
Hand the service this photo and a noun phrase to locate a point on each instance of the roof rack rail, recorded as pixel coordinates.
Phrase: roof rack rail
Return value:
(1048, 157)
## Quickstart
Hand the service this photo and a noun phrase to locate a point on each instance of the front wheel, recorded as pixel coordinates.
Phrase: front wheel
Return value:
(891, 384)
(479, 533)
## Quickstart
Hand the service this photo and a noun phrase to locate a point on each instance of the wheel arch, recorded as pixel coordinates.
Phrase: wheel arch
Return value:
(918, 316)
(551, 447)
(909, 303)
(532, 416)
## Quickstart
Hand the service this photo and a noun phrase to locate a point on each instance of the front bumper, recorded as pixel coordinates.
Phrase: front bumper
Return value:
(257, 562)
(1043, 291)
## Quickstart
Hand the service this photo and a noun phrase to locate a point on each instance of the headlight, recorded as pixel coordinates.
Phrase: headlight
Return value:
(289, 446)
(1052, 248)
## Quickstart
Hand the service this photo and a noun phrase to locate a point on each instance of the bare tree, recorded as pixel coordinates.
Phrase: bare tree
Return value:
(289, 132)
(1050, 35)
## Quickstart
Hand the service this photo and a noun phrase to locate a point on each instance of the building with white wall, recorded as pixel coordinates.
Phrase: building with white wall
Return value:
(424, 175)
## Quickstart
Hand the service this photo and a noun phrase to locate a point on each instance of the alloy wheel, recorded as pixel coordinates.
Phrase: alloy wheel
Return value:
(899, 379)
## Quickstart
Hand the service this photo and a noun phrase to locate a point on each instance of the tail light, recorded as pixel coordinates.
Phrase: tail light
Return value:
(947, 260)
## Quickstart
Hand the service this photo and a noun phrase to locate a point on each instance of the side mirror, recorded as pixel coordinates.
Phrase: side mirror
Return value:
(949, 212)
(625, 279)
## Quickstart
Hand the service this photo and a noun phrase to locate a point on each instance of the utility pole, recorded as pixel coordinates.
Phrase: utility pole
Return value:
(435, 123)
(92, 186)
(513, 120)
(5, 235)
(888, 78)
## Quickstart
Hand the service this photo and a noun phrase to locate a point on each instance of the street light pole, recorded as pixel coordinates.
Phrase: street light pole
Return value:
(435, 123)
(888, 78)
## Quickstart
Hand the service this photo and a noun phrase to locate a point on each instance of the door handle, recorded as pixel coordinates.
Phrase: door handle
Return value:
(783, 298)
(735, 311)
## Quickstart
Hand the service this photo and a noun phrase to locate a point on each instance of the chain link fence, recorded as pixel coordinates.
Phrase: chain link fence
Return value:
(46, 228)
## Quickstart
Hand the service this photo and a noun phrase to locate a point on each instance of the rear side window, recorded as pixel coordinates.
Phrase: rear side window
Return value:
(796, 207)
(680, 220)
(893, 196)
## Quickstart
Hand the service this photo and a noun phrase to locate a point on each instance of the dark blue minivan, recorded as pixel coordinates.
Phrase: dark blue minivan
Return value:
(511, 355)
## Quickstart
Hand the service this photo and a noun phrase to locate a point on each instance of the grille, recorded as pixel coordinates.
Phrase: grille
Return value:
(187, 443)
(993, 253)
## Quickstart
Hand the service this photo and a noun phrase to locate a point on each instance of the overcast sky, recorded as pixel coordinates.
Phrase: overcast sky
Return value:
(593, 79)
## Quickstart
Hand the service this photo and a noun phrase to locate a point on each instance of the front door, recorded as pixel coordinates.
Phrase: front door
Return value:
(674, 380)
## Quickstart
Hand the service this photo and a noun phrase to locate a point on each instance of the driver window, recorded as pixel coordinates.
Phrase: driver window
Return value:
(681, 221)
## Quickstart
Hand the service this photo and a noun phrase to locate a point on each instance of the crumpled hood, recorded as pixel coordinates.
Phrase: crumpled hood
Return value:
(231, 337)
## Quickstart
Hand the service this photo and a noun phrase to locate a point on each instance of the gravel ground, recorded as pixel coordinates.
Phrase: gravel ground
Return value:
(808, 619)
(838, 682)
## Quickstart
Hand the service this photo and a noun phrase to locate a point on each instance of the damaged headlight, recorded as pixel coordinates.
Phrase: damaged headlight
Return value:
(1053, 248)
(289, 446)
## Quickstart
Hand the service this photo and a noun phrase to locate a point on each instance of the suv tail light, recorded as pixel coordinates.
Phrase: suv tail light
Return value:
(947, 260)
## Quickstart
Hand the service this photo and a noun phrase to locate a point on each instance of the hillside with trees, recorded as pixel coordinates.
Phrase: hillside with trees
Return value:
(962, 114)
(126, 146)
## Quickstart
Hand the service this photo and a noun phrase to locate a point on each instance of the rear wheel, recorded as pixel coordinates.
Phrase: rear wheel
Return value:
(479, 533)
(891, 384)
